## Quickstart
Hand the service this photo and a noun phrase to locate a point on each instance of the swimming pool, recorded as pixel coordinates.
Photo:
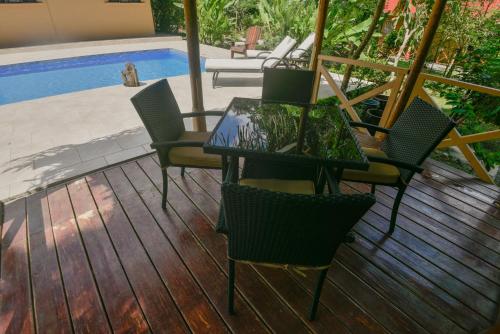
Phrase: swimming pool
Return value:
(28, 81)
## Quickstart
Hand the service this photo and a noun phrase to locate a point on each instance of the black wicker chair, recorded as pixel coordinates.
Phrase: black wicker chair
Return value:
(287, 85)
(412, 138)
(158, 109)
(283, 229)
(284, 85)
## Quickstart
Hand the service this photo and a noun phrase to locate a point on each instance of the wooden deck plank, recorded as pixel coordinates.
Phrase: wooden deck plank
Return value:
(190, 299)
(482, 203)
(157, 304)
(119, 300)
(485, 224)
(351, 309)
(403, 252)
(196, 258)
(343, 309)
(290, 292)
(16, 311)
(413, 281)
(486, 268)
(423, 245)
(453, 173)
(434, 219)
(449, 180)
(51, 309)
(280, 316)
(86, 310)
(102, 255)
(440, 211)
(414, 306)
(432, 247)
(461, 235)
(451, 197)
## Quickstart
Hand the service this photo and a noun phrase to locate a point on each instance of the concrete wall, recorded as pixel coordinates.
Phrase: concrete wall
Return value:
(72, 20)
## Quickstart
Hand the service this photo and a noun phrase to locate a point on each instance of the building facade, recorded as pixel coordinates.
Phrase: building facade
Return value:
(28, 22)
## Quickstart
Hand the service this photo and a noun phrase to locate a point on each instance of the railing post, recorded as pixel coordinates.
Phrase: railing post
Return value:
(193, 46)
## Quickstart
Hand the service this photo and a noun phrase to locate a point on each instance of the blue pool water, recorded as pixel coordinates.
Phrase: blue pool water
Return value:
(27, 81)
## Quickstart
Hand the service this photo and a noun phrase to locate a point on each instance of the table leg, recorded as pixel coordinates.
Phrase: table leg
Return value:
(233, 169)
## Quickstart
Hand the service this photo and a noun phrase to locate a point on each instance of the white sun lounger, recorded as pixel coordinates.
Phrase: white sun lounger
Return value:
(297, 53)
(250, 65)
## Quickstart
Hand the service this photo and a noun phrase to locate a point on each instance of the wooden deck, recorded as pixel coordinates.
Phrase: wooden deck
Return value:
(98, 254)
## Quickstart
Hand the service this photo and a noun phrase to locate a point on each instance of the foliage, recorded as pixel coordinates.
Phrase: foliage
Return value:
(216, 27)
(411, 16)
(480, 112)
(286, 17)
(167, 16)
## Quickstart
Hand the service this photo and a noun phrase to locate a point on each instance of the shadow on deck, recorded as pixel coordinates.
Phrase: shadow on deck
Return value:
(98, 254)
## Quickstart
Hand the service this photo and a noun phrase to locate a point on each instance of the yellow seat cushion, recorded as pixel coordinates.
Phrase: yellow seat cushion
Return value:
(285, 186)
(194, 156)
(377, 173)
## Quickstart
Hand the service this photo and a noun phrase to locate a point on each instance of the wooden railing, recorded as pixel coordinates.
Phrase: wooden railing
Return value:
(393, 87)
(454, 137)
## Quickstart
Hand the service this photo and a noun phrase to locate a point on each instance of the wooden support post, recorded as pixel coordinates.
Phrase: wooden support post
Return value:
(423, 50)
(320, 30)
(193, 47)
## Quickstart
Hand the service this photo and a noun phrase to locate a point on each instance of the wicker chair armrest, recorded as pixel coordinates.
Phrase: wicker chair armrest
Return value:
(172, 144)
(370, 127)
(202, 113)
(396, 163)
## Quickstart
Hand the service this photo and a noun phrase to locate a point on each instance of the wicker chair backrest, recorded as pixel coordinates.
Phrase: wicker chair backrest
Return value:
(158, 109)
(281, 228)
(415, 134)
(286, 85)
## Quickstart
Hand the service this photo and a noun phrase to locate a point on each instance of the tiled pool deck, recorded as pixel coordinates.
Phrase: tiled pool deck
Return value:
(50, 139)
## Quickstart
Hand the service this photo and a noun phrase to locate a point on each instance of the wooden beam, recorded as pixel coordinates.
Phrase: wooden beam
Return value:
(320, 30)
(423, 50)
(193, 47)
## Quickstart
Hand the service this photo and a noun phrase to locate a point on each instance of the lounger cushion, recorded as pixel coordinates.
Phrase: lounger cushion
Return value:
(305, 187)
(194, 156)
(377, 173)
(233, 65)
(305, 45)
(296, 54)
(250, 65)
(261, 54)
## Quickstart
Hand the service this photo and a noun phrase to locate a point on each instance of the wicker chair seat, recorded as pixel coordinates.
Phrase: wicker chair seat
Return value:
(377, 173)
(304, 187)
(193, 156)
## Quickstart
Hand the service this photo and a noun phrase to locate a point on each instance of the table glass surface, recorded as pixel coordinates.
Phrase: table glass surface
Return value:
(250, 127)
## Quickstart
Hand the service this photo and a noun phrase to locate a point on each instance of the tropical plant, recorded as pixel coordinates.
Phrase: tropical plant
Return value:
(286, 17)
(375, 20)
(167, 16)
(411, 17)
(216, 26)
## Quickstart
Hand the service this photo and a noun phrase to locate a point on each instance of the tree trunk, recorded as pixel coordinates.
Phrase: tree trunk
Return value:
(364, 42)
(453, 63)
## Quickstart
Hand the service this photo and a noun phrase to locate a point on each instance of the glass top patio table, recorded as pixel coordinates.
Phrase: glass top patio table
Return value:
(252, 128)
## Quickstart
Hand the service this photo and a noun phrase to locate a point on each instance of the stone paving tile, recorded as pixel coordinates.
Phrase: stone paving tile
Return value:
(98, 148)
(4, 192)
(125, 154)
(52, 176)
(56, 158)
(133, 138)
